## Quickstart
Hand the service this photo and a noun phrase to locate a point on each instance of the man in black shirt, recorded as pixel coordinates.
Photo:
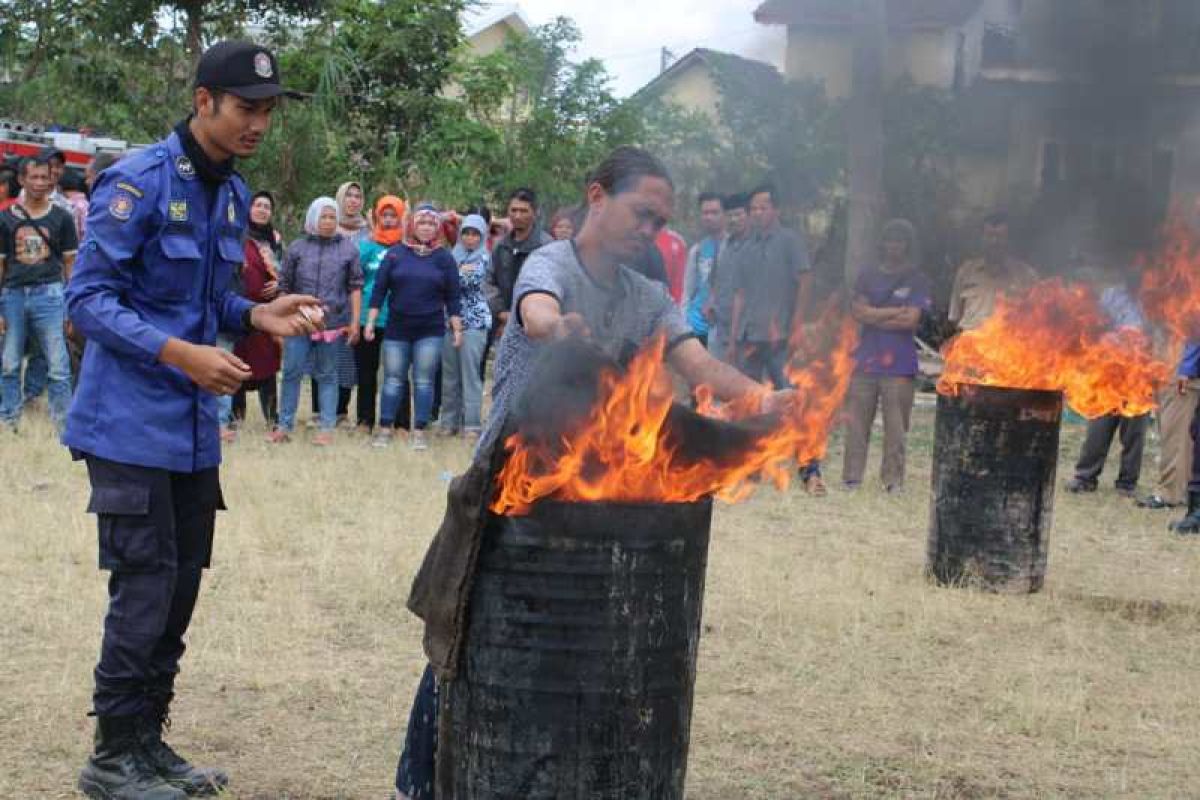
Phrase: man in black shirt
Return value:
(509, 255)
(38, 243)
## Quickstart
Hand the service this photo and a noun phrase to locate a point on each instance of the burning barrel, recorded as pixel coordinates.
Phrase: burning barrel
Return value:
(577, 672)
(994, 457)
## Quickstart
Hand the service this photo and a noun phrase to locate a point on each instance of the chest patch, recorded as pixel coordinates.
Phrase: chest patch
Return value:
(177, 211)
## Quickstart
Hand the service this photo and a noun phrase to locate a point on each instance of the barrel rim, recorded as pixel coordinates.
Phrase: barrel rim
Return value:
(965, 390)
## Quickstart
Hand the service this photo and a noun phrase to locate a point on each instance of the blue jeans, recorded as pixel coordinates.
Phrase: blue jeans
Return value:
(415, 772)
(224, 401)
(296, 351)
(462, 385)
(37, 370)
(38, 312)
(423, 355)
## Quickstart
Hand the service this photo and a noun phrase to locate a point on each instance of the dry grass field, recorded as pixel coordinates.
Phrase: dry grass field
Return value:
(829, 667)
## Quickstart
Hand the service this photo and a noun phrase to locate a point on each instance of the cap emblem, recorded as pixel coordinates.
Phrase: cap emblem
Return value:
(262, 65)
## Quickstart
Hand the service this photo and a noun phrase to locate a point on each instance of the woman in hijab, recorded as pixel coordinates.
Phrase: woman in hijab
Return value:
(419, 281)
(462, 384)
(260, 280)
(351, 222)
(323, 264)
(387, 233)
(355, 227)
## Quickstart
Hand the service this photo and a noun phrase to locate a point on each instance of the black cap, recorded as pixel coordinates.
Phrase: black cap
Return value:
(244, 69)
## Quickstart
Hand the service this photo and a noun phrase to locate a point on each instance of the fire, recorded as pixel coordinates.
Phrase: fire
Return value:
(623, 452)
(1057, 337)
(1171, 283)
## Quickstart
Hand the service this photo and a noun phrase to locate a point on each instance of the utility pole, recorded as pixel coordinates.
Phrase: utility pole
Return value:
(864, 135)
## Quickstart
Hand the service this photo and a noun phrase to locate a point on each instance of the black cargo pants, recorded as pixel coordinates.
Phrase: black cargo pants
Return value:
(156, 533)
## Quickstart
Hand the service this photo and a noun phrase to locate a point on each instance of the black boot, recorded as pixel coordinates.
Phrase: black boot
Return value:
(170, 766)
(1190, 524)
(118, 769)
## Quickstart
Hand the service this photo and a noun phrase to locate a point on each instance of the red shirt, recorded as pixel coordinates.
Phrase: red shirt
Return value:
(674, 253)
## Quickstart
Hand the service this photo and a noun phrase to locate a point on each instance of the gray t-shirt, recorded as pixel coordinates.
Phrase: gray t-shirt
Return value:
(769, 275)
(622, 318)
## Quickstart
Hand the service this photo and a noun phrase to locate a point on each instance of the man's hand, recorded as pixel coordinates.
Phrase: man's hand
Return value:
(290, 315)
(779, 402)
(369, 332)
(270, 290)
(572, 324)
(211, 368)
(352, 334)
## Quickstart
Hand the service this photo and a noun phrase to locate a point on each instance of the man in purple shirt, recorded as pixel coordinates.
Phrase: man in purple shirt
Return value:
(888, 302)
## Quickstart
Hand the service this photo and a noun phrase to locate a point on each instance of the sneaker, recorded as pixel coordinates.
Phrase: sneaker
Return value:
(851, 486)
(1080, 486)
(323, 439)
(382, 438)
(419, 440)
(814, 486)
(1127, 491)
(278, 436)
(1156, 502)
(362, 429)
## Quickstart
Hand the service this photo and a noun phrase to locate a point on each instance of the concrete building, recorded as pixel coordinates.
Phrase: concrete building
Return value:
(1083, 114)
(694, 82)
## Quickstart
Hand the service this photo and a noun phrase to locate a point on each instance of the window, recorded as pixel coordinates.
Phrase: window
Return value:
(1051, 171)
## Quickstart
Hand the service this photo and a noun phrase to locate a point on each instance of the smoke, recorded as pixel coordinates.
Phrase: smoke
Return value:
(1097, 122)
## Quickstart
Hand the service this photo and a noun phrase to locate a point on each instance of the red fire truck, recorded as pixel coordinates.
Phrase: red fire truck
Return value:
(21, 139)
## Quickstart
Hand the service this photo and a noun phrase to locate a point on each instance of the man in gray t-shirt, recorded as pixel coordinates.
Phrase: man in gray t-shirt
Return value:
(620, 318)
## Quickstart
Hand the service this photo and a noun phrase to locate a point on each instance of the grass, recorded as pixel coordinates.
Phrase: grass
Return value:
(829, 667)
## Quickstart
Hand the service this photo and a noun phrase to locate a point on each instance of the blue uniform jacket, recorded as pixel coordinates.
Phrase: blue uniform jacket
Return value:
(156, 263)
(1189, 365)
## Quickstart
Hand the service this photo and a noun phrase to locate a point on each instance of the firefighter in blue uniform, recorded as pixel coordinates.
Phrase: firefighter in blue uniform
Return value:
(149, 291)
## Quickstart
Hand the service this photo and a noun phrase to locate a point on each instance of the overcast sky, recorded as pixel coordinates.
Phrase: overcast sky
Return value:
(628, 34)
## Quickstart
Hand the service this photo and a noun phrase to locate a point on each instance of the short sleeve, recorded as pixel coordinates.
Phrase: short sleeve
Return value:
(799, 253)
(922, 292)
(667, 317)
(68, 236)
(955, 312)
(540, 275)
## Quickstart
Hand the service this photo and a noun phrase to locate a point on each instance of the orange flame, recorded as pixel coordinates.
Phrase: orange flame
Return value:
(1057, 337)
(1171, 283)
(622, 454)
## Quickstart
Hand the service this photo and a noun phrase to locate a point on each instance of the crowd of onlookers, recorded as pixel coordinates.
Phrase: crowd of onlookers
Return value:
(416, 296)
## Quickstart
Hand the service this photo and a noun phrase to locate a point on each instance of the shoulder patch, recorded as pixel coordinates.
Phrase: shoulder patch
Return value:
(121, 206)
(133, 190)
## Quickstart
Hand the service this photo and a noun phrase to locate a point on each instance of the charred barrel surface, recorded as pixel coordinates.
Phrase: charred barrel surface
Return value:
(580, 656)
(994, 458)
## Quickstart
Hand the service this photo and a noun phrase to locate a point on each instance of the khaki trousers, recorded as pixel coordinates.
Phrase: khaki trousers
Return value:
(1175, 441)
(867, 393)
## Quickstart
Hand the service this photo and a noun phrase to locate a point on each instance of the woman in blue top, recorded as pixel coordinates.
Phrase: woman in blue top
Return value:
(419, 280)
(462, 380)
